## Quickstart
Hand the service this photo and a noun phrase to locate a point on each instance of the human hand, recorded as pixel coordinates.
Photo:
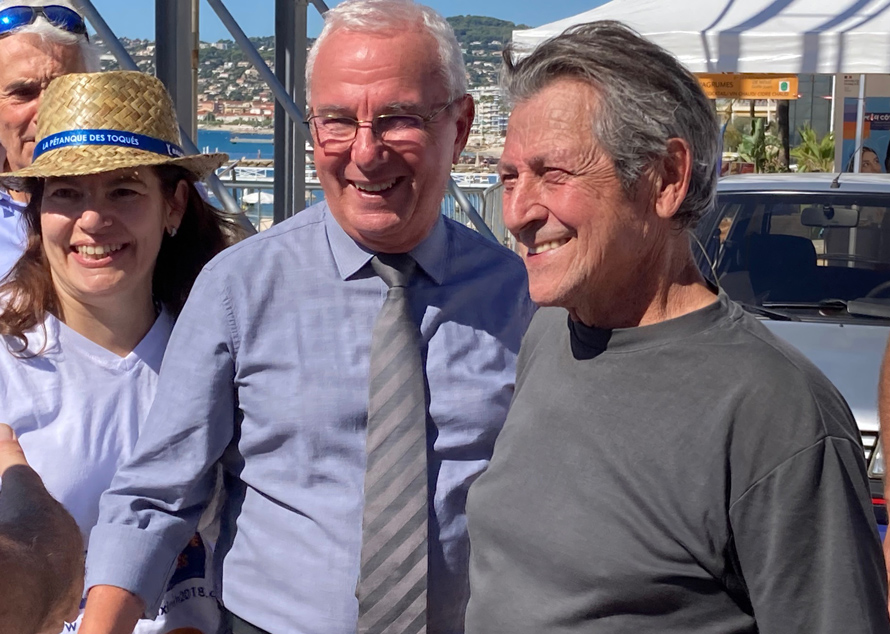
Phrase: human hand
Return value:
(41, 550)
(111, 610)
(887, 564)
(10, 451)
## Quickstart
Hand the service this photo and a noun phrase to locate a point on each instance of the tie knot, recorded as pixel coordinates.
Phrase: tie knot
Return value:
(395, 269)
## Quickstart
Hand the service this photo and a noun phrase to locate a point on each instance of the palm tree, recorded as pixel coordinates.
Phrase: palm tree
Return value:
(762, 148)
(814, 154)
(783, 108)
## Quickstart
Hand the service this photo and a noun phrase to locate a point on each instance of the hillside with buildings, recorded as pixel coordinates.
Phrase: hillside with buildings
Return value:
(230, 91)
(482, 39)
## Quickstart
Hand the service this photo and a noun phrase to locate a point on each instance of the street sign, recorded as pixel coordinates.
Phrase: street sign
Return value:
(747, 86)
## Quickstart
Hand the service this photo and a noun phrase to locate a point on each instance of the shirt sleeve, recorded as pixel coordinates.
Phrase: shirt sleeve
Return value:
(154, 503)
(808, 547)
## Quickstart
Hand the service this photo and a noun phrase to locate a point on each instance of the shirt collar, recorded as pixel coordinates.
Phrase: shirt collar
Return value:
(10, 205)
(351, 257)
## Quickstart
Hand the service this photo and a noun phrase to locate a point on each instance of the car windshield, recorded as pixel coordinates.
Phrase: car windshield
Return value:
(802, 250)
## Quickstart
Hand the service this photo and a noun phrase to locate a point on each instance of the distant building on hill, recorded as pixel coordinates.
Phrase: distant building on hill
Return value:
(491, 116)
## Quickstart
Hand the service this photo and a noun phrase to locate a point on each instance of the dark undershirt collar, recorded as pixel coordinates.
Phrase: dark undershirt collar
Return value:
(588, 342)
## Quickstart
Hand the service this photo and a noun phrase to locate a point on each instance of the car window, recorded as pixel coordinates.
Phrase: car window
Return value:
(802, 248)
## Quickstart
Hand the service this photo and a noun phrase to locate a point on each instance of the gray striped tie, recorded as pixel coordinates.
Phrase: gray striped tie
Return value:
(392, 588)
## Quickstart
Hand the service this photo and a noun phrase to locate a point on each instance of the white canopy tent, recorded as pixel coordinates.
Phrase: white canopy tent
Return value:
(752, 36)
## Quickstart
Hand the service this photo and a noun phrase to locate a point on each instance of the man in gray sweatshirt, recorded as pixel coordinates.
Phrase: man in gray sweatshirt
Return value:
(667, 465)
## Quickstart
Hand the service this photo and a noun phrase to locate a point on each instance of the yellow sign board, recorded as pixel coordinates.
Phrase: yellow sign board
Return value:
(730, 86)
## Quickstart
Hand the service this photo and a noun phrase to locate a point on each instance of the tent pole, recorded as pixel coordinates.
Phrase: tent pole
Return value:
(833, 102)
(860, 124)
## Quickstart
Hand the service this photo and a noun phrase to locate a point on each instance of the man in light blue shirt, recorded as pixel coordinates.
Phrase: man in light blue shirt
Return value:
(267, 370)
(12, 232)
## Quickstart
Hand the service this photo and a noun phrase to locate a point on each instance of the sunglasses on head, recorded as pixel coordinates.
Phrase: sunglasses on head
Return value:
(60, 17)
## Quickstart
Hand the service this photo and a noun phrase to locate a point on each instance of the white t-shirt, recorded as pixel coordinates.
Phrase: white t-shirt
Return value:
(12, 232)
(77, 409)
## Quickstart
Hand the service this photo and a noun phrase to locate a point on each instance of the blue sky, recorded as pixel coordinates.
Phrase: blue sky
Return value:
(135, 18)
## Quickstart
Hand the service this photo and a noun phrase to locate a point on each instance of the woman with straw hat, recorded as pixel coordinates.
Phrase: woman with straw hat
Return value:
(117, 234)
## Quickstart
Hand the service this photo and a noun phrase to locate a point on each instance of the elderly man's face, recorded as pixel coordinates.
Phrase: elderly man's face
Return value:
(582, 236)
(386, 194)
(27, 64)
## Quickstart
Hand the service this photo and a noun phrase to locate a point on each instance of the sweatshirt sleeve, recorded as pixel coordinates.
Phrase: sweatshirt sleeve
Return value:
(154, 503)
(808, 546)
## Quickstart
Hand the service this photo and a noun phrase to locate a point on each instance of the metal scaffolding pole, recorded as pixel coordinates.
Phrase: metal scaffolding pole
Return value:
(290, 154)
(471, 212)
(284, 101)
(176, 54)
(117, 49)
(257, 62)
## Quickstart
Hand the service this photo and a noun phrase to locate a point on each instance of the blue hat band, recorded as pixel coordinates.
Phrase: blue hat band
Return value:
(119, 138)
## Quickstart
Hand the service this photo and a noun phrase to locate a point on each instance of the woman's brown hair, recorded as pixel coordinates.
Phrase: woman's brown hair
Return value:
(27, 291)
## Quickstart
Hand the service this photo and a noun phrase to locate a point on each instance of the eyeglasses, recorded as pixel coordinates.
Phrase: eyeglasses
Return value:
(60, 17)
(387, 127)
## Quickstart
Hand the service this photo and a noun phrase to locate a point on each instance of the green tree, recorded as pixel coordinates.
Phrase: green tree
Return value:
(477, 28)
(814, 154)
(731, 139)
(763, 148)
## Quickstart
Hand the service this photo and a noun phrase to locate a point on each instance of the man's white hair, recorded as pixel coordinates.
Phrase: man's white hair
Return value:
(386, 16)
(89, 53)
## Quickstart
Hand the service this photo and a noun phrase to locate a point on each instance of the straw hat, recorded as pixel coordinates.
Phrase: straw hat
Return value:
(98, 122)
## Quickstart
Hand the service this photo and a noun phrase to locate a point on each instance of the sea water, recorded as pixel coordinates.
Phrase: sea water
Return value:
(248, 145)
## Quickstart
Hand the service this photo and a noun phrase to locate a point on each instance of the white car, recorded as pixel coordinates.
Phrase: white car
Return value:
(810, 255)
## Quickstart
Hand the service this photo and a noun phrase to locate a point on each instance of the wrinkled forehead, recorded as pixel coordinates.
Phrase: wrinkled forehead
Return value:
(30, 54)
(35, 44)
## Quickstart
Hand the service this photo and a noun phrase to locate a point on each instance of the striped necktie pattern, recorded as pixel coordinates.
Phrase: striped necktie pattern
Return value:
(392, 588)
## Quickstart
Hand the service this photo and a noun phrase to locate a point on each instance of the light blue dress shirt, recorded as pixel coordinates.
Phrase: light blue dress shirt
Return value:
(266, 373)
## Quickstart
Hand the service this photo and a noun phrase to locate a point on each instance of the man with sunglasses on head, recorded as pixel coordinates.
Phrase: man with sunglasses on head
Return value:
(39, 41)
(348, 369)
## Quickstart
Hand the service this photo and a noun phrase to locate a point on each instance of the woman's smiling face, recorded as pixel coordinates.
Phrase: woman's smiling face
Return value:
(102, 233)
